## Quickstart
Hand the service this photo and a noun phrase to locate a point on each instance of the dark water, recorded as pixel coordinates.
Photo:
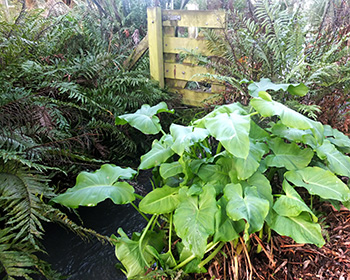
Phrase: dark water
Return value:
(79, 260)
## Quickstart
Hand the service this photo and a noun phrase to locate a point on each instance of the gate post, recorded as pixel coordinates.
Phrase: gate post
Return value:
(155, 43)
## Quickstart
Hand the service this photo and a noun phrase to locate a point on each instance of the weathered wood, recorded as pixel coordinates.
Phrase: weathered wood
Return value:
(171, 83)
(183, 18)
(191, 97)
(185, 72)
(5, 6)
(178, 45)
(217, 88)
(155, 42)
(137, 53)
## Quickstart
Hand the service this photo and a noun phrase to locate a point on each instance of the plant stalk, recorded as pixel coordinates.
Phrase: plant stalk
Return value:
(143, 236)
(212, 255)
(138, 210)
(209, 247)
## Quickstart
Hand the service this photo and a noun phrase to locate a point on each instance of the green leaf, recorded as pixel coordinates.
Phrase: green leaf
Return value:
(338, 138)
(290, 156)
(225, 229)
(291, 134)
(258, 133)
(337, 162)
(246, 167)
(144, 119)
(92, 188)
(129, 254)
(160, 152)
(194, 219)
(168, 170)
(160, 201)
(291, 204)
(232, 131)
(252, 208)
(266, 84)
(224, 109)
(288, 116)
(186, 136)
(320, 182)
(300, 228)
(262, 185)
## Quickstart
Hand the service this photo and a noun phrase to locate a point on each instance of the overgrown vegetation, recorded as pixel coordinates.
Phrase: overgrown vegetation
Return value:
(225, 178)
(61, 84)
(288, 42)
(220, 180)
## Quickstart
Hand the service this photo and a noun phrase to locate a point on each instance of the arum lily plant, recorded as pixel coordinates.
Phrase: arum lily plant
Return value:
(216, 181)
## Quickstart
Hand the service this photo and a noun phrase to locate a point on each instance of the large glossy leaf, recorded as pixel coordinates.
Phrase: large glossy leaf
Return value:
(258, 133)
(186, 136)
(217, 175)
(160, 201)
(144, 119)
(320, 182)
(338, 138)
(250, 207)
(266, 84)
(291, 204)
(232, 130)
(224, 109)
(300, 228)
(288, 116)
(247, 167)
(337, 162)
(160, 152)
(128, 252)
(289, 156)
(225, 229)
(94, 187)
(194, 219)
(168, 170)
(292, 134)
(262, 185)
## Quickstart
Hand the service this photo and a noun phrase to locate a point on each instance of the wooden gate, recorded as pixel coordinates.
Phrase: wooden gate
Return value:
(170, 32)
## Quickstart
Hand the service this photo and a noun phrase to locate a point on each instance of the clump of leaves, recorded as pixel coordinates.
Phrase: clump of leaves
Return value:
(221, 179)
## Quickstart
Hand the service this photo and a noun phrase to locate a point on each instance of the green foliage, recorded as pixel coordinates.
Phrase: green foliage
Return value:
(23, 200)
(61, 84)
(285, 42)
(225, 176)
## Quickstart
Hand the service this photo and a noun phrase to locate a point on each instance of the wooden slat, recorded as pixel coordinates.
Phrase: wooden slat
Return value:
(191, 97)
(217, 88)
(185, 72)
(184, 18)
(137, 53)
(175, 83)
(155, 43)
(177, 45)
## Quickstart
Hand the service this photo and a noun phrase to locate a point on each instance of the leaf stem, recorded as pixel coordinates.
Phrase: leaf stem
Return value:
(170, 230)
(253, 114)
(209, 247)
(218, 149)
(138, 210)
(138, 196)
(212, 255)
(143, 236)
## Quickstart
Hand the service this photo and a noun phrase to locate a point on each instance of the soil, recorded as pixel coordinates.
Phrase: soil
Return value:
(282, 259)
